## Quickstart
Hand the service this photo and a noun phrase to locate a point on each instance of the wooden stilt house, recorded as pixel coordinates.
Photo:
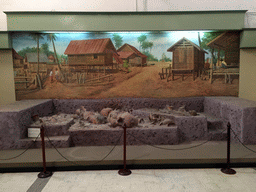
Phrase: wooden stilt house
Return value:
(85, 55)
(187, 56)
(228, 42)
(132, 55)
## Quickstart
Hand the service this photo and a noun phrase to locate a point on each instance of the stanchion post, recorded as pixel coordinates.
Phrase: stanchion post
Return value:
(45, 173)
(124, 171)
(228, 170)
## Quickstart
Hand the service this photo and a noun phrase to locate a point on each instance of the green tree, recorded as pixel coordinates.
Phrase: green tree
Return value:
(23, 51)
(209, 36)
(150, 57)
(118, 40)
(46, 50)
(142, 39)
(64, 57)
(165, 58)
(144, 44)
(150, 45)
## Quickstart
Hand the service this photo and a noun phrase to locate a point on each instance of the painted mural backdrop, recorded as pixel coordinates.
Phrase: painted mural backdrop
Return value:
(125, 64)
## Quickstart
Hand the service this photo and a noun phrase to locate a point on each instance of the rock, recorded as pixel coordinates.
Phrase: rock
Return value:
(105, 112)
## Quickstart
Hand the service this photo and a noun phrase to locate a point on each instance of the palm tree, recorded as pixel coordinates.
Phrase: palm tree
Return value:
(37, 37)
(52, 37)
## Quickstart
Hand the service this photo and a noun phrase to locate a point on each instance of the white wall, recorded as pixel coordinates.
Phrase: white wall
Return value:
(121, 5)
(247, 83)
(7, 89)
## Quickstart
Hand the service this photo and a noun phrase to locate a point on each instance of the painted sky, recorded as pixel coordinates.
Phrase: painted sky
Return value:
(161, 40)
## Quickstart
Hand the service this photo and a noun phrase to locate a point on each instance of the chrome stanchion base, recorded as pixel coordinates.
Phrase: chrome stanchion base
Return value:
(124, 172)
(44, 174)
(228, 171)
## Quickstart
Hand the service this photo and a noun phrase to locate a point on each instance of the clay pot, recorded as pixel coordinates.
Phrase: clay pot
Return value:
(87, 114)
(105, 112)
(97, 119)
(127, 119)
(112, 118)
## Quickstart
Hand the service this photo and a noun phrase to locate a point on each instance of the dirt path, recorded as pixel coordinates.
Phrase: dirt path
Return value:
(141, 82)
(148, 84)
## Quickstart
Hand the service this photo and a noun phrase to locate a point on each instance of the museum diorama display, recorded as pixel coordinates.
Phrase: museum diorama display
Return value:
(167, 87)
(126, 64)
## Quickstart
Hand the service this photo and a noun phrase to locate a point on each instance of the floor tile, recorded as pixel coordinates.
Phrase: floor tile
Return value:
(18, 182)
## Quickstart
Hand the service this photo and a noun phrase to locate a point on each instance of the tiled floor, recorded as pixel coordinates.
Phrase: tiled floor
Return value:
(157, 180)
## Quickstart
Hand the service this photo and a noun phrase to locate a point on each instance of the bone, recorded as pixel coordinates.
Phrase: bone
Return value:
(167, 122)
(182, 109)
(193, 112)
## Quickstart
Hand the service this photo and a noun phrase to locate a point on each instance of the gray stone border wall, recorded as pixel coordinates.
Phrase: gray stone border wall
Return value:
(241, 114)
(16, 117)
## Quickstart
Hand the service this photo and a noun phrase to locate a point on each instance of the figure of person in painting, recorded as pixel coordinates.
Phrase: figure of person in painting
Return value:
(223, 64)
(57, 74)
(51, 75)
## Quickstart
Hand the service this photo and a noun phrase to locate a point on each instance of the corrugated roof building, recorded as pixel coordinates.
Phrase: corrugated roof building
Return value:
(97, 52)
(132, 55)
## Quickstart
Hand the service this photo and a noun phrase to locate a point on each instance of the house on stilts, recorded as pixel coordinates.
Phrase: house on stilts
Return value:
(188, 58)
(92, 56)
(229, 43)
(132, 55)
